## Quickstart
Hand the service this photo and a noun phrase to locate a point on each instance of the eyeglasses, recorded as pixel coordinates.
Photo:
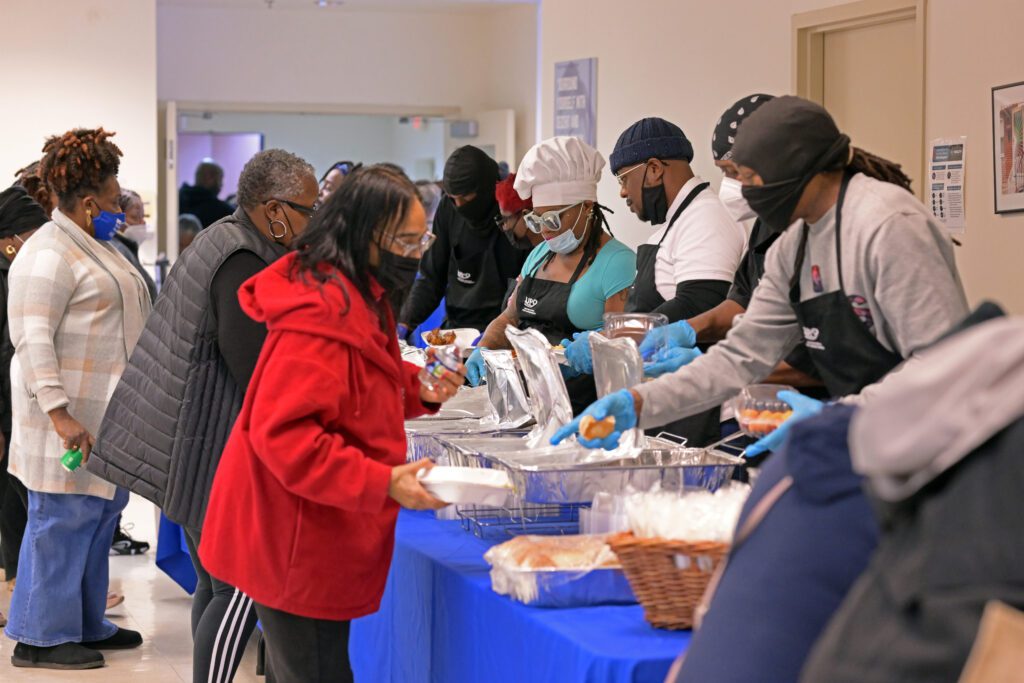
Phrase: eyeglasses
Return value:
(418, 247)
(621, 177)
(549, 220)
(307, 211)
(506, 223)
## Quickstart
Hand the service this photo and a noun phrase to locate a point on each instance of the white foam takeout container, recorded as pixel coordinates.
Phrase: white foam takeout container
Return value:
(467, 485)
(464, 337)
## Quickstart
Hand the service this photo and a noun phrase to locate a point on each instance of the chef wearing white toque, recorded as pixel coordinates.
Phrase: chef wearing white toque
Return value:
(579, 272)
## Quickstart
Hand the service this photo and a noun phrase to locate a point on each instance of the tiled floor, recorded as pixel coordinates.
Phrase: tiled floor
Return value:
(154, 605)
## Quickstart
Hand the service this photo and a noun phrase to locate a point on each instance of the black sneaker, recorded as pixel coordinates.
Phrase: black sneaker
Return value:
(123, 639)
(64, 656)
(126, 545)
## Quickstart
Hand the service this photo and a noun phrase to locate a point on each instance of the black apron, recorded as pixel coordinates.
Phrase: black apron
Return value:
(473, 279)
(543, 305)
(703, 428)
(644, 296)
(846, 355)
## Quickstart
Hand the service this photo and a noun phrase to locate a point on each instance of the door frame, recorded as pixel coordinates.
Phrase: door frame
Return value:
(167, 133)
(809, 29)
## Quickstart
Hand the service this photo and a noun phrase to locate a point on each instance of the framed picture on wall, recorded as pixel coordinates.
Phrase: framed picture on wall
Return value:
(1008, 146)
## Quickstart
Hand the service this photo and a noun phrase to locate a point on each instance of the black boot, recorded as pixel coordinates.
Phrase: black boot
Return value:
(64, 656)
(123, 639)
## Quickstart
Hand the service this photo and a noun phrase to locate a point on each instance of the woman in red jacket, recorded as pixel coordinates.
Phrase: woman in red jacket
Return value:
(303, 508)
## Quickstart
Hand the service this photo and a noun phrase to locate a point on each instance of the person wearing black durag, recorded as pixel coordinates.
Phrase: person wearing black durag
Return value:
(20, 216)
(470, 264)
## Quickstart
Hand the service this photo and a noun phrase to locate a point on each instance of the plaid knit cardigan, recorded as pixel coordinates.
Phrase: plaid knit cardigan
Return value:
(76, 308)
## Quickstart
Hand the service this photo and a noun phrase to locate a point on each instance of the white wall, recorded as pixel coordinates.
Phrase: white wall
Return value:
(323, 139)
(472, 59)
(80, 63)
(687, 61)
(958, 102)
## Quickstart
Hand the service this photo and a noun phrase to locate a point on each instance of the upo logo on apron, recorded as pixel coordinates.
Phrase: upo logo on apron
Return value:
(465, 278)
(530, 305)
(811, 335)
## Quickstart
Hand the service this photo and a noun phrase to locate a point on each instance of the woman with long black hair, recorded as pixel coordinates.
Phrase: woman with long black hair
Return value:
(303, 508)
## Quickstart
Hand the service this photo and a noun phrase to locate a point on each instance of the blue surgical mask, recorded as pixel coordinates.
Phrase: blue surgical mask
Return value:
(567, 242)
(105, 225)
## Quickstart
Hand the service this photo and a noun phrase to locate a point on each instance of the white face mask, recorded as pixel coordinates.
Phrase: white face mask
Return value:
(731, 194)
(137, 233)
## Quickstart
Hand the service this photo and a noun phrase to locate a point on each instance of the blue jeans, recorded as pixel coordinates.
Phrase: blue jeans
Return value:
(64, 569)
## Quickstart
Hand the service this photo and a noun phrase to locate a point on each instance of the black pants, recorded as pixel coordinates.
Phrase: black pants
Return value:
(13, 517)
(223, 619)
(304, 649)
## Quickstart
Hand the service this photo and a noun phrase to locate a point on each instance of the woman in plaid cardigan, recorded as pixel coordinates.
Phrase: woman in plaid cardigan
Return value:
(76, 308)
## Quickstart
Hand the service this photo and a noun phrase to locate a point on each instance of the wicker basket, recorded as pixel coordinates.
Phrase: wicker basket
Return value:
(668, 577)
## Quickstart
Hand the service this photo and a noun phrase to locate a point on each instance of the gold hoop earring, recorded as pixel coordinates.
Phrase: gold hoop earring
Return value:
(275, 235)
(10, 250)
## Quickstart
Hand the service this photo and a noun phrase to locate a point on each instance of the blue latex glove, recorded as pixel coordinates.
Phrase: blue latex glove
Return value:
(402, 331)
(475, 368)
(619, 405)
(676, 335)
(669, 360)
(577, 352)
(568, 372)
(803, 408)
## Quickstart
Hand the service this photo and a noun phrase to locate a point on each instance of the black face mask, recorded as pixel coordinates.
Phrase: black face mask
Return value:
(654, 207)
(478, 210)
(775, 203)
(396, 272)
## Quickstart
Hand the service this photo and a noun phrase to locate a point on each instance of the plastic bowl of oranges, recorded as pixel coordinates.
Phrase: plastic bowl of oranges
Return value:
(759, 411)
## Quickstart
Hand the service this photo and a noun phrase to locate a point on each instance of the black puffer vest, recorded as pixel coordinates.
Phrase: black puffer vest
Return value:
(172, 411)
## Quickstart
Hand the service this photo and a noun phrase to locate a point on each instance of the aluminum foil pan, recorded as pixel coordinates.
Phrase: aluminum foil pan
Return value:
(563, 587)
(541, 477)
(466, 449)
(421, 442)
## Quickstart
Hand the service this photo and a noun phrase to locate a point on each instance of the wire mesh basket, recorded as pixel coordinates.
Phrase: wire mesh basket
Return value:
(498, 523)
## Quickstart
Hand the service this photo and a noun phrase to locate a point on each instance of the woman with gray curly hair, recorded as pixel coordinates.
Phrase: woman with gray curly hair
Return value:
(171, 413)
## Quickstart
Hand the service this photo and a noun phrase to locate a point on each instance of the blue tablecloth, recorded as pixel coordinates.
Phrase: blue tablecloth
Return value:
(440, 622)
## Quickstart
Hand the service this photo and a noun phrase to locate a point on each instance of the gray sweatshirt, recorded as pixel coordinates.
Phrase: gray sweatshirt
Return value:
(899, 274)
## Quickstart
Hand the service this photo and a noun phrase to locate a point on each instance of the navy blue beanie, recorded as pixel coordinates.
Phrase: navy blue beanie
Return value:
(651, 138)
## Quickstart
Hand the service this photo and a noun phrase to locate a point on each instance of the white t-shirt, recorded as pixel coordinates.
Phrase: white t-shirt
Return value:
(704, 244)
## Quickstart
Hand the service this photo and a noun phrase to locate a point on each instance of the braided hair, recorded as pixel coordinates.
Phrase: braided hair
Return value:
(878, 168)
(598, 221)
(77, 162)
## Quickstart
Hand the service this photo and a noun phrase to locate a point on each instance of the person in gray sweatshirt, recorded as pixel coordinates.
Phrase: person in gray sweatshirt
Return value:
(863, 276)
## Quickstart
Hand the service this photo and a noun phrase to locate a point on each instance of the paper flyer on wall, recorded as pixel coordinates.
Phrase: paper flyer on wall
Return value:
(947, 165)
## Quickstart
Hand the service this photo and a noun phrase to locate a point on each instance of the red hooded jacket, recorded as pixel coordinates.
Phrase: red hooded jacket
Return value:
(299, 516)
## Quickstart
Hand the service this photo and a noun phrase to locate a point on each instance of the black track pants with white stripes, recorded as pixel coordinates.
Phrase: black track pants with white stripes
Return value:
(223, 619)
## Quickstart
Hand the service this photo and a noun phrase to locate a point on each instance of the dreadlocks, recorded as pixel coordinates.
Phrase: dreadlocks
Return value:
(878, 168)
(78, 161)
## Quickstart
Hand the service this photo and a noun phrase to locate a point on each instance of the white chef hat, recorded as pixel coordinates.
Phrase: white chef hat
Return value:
(560, 171)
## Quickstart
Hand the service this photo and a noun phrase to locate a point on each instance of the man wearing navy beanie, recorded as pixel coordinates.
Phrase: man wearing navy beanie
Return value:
(687, 264)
